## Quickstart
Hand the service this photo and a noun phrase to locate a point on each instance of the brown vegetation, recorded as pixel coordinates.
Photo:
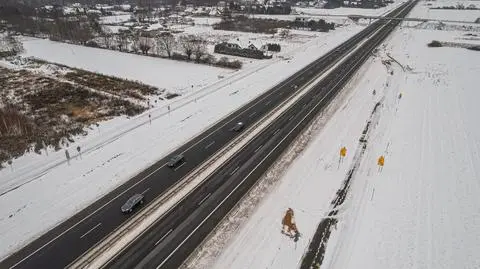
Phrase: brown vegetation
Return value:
(111, 84)
(270, 26)
(38, 111)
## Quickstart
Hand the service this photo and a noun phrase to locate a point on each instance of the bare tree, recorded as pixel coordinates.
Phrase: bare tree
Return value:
(107, 35)
(10, 45)
(166, 42)
(284, 33)
(199, 48)
(82, 34)
(145, 44)
(123, 40)
(187, 44)
(135, 42)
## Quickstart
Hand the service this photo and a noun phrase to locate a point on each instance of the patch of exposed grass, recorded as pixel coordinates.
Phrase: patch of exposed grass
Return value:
(38, 111)
(111, 85)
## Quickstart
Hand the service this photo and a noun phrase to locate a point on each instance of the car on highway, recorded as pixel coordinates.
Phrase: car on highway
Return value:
(132, 202)
(176, 160)
(238, 127)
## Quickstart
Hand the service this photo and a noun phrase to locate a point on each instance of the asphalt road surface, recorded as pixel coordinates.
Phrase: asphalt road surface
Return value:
(171, 240)
(69, 240)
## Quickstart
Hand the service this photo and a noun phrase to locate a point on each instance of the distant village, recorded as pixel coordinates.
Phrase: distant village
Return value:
(191, 9)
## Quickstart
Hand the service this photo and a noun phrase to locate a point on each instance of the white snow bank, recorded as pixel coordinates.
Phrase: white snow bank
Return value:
(421, 211)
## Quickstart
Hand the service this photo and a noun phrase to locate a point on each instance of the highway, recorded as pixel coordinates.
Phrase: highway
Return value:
(174, 237)
(70, 239)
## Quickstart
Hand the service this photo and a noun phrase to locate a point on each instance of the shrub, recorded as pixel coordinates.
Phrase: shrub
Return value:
(55, 38)
(435, 44)
(178, 56)
(92, 44)
(236, 64)
(224, 62)
(273, 47)
(477, 48)
(208, 59)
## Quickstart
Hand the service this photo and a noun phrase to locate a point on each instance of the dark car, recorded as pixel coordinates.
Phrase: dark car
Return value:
(238, 127)
(176, 160)
(132, 203)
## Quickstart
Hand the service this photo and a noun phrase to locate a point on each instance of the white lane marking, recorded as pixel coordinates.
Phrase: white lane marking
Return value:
(145, 191)
(206, 197)
(289, 119)
(243, 180)
(267, 103)
(178, 167)
(278, 130)
(163, 237)
(209, 145)
(236, 187)
(280, 85)
(89, 231)
(87, 217)
(251, 115)
(234, 170)
(258, 148)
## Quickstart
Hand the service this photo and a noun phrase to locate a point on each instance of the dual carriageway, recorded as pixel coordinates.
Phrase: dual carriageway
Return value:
(175, 235)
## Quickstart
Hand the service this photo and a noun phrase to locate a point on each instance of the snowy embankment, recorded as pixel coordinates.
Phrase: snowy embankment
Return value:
(119, 148)
(304, 179)
(420, 211)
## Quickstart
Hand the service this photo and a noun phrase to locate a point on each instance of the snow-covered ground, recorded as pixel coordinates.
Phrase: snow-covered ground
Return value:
(420, 211)
(345, 11)
(120, 147)
(114, 28)
(424, 11)
(174, 76)
(115, 18)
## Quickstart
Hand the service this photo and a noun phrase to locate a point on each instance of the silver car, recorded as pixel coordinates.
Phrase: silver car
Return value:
(132, 203)
(238, 127)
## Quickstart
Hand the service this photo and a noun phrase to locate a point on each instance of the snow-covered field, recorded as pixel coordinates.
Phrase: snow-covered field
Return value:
(345, 11)
(202, 21)
(174, 76)
(420, 211)
(120, 147)
(115, 19)
(424, 11)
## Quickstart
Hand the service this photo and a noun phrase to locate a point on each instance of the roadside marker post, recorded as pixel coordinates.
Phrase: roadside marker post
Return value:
(343, 153)
(381, 163)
